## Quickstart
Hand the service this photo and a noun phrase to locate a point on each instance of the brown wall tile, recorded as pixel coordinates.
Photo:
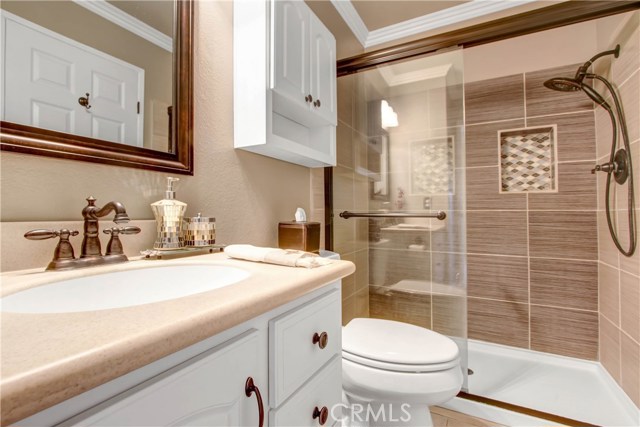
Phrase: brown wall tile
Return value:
(610, 347)
(563, 235)
(630, 368)
(542, 101)
(349, 282)
(481, 142)
(452, 237)
(567, 332)
(576, 135)
(607, 252)
(630, 305)
(576, 190)
(391, 266)
(345, 99)
(498, 277)
(400, 306)
(498, 233)
(564, 283)
(609, 293)
(499, 322)
(449, 315)
(483, 185)
(494, 99)
(344, 145)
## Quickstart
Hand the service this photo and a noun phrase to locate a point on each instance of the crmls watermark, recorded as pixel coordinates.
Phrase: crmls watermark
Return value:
(357, 412)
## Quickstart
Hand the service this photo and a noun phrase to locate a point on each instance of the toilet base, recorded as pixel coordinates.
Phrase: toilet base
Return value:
(384, 414)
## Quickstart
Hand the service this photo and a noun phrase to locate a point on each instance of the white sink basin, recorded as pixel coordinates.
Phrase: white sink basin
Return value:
(122, 289)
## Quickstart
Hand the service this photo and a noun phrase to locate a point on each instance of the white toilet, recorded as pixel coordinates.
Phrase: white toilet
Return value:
(392, 372)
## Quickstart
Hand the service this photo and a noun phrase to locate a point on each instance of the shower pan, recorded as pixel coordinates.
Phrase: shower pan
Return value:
(619, 167)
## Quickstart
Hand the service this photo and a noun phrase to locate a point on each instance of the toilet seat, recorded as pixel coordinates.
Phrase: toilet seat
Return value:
(396, 346)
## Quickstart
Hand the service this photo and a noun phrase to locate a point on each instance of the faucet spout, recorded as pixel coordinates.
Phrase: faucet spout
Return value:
(91, 242)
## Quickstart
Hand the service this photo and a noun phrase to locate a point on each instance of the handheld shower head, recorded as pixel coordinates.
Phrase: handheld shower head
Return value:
(564, 84)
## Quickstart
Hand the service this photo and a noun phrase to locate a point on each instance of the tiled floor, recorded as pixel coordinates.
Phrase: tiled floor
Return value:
(447, 418)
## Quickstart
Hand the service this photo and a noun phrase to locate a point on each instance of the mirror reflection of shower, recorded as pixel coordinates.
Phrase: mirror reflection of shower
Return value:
(619, 166)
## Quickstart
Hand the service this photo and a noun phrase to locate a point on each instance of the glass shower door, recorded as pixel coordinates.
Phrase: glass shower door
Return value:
(407, 144)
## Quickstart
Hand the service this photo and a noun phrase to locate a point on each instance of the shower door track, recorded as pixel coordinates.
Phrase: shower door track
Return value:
(524, 410)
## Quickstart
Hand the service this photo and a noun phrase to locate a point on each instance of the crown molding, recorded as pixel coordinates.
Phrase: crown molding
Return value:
(421, 24)
(432, 21)
(128, 22)
(352, 18)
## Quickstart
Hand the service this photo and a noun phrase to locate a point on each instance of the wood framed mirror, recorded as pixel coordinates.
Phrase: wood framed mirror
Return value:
(178, 158)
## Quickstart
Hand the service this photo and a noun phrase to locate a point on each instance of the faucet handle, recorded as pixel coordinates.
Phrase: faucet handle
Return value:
(63, 252)
(114, 247)
(129, 229)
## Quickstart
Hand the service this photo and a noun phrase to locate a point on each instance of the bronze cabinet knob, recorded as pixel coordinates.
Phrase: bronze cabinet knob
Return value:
(321, 414)
(316, 103)
(321, 339)
(309, 98)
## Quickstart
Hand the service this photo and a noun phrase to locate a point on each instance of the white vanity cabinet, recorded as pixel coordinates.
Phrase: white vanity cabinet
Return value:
(288, 108)
(290, 354)
(207, 390)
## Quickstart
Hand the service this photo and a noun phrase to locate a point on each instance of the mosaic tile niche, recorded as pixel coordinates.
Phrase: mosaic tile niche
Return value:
(432, 166)
(528, 159)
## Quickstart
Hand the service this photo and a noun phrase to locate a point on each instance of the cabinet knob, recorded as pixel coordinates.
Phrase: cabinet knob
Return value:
(309, 98)
(249, 388)
(321, 339)
(321, 414)
(316, 103)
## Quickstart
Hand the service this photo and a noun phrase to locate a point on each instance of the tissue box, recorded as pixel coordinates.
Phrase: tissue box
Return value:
(304, 236)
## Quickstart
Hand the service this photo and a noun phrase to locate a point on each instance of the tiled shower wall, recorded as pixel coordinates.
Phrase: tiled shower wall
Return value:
(351, 192)
(532, 256)
(619, 276)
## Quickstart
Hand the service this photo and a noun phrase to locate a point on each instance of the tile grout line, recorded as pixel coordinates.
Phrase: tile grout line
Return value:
(524, 101)
(565, 308)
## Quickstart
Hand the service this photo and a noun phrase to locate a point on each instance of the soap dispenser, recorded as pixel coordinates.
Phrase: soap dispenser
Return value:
(169, 213)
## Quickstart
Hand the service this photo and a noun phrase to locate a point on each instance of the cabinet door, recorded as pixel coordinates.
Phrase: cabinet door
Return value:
(290, 50)
(206, 390)
(323, 71)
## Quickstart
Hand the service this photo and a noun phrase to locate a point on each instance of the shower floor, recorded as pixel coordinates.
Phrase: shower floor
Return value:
(571, 388)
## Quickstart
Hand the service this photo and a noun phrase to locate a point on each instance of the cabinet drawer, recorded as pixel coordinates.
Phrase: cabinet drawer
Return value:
(206, 390)
(294, 357)
(324, 390)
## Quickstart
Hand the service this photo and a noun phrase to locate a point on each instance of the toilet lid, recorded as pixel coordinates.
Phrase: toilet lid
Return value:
(397, 343)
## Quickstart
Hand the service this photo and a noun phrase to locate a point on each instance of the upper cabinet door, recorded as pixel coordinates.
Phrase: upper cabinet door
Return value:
(323, 71)
(290, 52)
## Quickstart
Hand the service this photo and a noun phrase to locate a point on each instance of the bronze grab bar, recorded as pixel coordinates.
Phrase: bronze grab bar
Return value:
(346, 215)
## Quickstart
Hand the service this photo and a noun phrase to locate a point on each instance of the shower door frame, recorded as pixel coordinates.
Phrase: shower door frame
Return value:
(546, 18)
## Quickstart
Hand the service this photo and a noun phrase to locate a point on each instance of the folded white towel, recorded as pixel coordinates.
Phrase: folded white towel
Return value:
(288, 257)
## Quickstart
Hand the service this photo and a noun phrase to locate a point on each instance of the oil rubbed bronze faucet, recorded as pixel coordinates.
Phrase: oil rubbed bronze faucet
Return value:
(90, 252)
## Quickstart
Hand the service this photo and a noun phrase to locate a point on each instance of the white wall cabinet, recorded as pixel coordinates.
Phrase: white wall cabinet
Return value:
(292, 354)
(288, 108)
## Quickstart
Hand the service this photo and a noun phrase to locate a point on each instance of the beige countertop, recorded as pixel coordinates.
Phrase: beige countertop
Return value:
(49, 358)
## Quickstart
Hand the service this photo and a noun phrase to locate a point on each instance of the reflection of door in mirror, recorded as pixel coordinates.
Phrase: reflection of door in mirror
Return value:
(66, 68)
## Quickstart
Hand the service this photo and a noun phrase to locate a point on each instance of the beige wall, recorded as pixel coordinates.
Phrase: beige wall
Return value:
(76, 22)
(619, 276)
(247, 193)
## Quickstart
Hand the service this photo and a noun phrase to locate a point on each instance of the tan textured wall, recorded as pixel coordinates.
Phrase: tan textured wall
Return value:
(247, 193)
(100, 34)
(619, 276)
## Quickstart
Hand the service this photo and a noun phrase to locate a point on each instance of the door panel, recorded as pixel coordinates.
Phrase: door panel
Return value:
(323, 70)
(62, 71)
(290, 50)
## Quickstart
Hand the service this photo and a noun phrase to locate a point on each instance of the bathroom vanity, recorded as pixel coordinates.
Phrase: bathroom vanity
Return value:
(266, 347)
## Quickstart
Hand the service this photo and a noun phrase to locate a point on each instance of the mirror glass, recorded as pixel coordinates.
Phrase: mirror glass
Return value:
(97, 69)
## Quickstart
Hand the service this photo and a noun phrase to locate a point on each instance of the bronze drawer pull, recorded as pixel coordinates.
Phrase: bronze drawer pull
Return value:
(321, 339)
(249, 388)
(321, 414)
